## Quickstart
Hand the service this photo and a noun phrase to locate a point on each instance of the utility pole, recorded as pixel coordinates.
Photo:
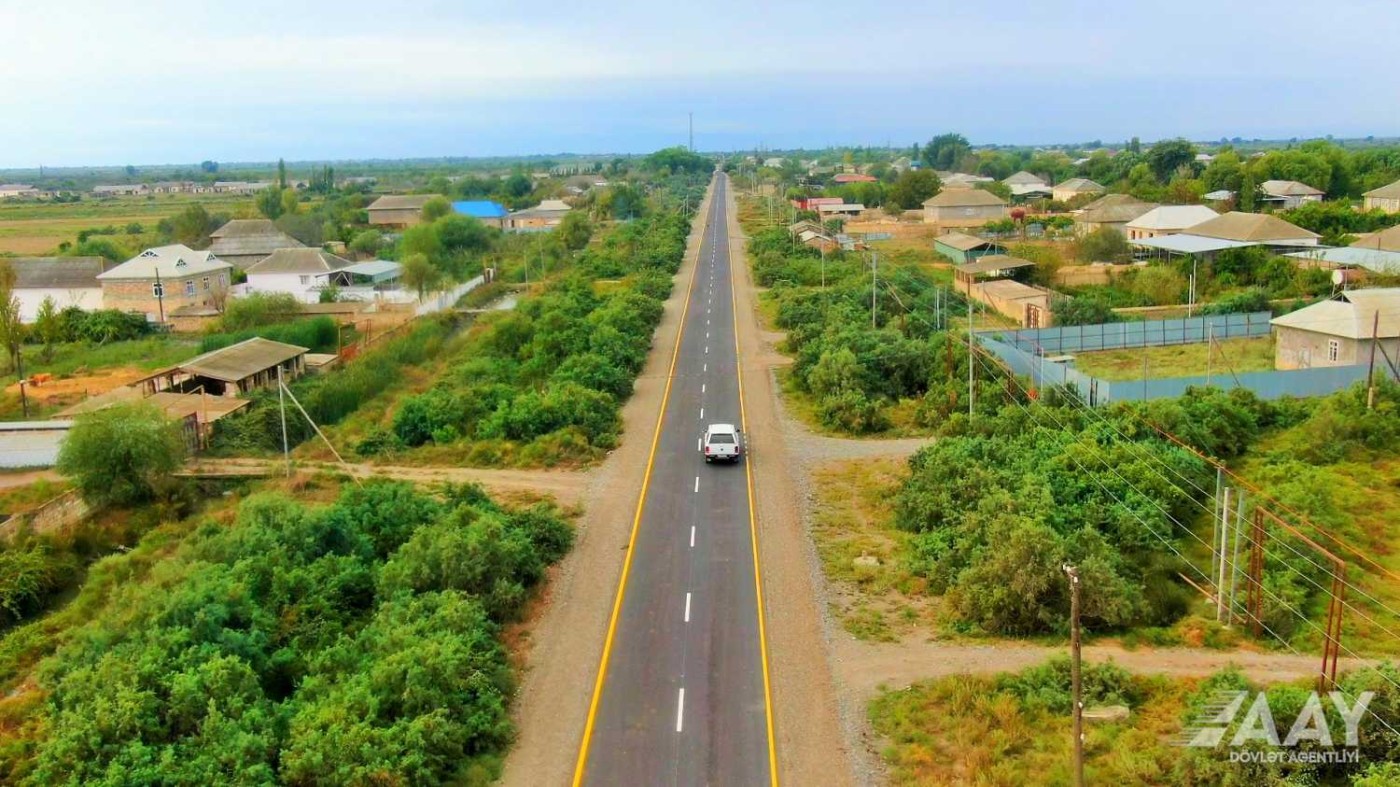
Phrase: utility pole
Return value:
(971, 358)
(1220, 577)
(1371, 369)
(1075, 684)
(282, 405)
(160, 297)
(875, 286)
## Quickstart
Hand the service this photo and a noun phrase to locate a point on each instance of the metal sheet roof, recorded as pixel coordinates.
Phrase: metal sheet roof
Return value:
(379, 270)
(480, 209)
(242, 360)
(1350, 315)
(993, 262)
(1190, 244)
(1377, 260)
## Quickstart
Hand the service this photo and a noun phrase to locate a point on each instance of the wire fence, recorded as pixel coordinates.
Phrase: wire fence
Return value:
(1146, 333)
(1031, 353)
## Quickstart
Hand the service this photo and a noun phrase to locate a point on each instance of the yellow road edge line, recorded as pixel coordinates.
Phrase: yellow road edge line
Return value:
(753, 522)
(581, 764)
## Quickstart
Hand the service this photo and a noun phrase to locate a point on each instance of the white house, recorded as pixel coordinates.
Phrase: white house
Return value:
(69, 281)
(303, 273)
(17, 190)
(1167, 220)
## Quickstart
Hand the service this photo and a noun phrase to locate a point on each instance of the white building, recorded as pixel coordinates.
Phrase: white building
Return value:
(303, 273)
(1167, 220)
(69, 281)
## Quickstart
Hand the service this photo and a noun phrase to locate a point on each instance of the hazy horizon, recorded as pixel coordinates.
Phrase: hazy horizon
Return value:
(156, 81)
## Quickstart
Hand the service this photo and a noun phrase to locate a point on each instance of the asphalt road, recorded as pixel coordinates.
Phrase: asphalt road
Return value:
(683, 697)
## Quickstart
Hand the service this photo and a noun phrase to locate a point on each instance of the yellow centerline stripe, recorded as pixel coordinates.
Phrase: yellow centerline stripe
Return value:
(582, 762)
(753, 523)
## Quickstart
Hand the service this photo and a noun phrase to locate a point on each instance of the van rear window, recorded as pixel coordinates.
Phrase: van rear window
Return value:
(722, 438)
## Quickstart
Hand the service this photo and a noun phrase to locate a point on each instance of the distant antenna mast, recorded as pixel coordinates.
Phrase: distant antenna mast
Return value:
(692, 131)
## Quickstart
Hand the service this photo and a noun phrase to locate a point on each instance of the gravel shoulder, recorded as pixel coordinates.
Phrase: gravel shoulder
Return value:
(564, 648)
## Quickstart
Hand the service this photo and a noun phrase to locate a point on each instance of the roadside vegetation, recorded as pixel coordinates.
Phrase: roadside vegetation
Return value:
(352, 642)
(1021, 491)
(1014, 729)
(904, 374)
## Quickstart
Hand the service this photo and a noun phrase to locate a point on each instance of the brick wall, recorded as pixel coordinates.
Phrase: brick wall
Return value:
(135, 295)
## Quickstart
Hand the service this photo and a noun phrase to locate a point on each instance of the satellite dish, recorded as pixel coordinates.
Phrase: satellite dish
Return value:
(1339, 276)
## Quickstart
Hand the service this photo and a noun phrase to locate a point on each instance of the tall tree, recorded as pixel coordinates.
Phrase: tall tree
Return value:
(912, 187)
(11, 329)
(1168, 155)
(281, 174)
(944, 151)
(269, 202)
(420, 275)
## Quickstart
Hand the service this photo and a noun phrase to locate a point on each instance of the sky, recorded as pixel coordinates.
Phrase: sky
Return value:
(88, 82)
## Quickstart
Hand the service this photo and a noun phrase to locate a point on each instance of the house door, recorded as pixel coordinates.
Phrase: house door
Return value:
(1033, 316)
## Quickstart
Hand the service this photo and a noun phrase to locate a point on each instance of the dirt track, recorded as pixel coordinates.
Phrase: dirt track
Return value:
(564, 486)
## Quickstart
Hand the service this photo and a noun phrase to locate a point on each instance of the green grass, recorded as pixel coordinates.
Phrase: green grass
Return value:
(72, 358)
(1180, 360)
(965, 730)
(851, 520)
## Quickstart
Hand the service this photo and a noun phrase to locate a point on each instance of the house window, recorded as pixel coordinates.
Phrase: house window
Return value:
(206, 284)
(305, 279)
(157, 290)
(189, 287)
(1334, 349)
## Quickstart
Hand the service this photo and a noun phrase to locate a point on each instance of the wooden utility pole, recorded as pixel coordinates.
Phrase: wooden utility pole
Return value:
(1371, 369)
(1075, 684)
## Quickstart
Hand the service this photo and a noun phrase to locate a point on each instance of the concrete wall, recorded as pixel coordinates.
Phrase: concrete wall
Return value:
(87, 299)
(1299, 349)
(1387, 204)
(398, 217)
(974, 216)
(287, 282)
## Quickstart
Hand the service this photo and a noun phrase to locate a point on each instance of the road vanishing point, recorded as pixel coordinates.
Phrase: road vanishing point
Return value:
(682, 692)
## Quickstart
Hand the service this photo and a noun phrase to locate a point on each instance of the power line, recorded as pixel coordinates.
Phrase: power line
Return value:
(1173, 520)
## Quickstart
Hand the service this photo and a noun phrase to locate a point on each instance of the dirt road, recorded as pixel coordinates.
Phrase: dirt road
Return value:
(566, 487)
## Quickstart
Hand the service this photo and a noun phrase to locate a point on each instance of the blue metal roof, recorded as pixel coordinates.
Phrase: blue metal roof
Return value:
(480, 208)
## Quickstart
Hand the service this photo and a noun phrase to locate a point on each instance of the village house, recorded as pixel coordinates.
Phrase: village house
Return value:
(962, 179)
(544, 216)
(398, 211)
(302, 273)
(1260, 229)
(158, 282)
(69, 281)
(238, 187)
(1028, 305)
(1024, 178)
(847, 177)
(962, 248)
(1075, 187)
(1385, 198)
(963, 208)
(245, 242)
(18, 191)
(1285, 194)
(488, 212)
(1167, 220)
(1111, 211)
(1385, 240)
(121, 190)
(847, 210)
(1338, 332)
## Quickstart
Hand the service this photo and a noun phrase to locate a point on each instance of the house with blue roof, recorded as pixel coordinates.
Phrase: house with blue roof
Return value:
(488, 211)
